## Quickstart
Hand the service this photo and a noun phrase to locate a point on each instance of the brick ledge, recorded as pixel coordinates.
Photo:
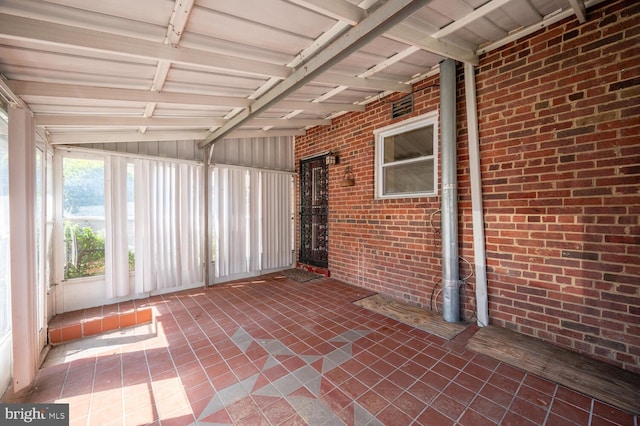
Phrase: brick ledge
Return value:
(92, 326)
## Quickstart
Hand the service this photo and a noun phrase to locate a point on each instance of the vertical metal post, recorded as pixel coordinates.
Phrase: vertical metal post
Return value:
(450, 267)
(206, 153)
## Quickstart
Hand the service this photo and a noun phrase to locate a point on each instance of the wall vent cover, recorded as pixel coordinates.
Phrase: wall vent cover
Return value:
(402, 106)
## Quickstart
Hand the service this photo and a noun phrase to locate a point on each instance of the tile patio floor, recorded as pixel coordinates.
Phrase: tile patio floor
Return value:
(277, 352)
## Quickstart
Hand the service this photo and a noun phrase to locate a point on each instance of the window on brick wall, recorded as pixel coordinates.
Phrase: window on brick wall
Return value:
(406, 158)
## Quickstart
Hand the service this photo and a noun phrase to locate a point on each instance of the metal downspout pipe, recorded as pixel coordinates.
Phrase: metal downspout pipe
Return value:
(482, 302)
(450, 267)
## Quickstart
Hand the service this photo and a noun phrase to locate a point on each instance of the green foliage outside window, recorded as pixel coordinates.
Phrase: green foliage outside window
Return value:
(84, 252)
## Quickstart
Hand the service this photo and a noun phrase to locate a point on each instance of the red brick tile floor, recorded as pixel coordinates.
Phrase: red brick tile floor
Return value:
(272, 351)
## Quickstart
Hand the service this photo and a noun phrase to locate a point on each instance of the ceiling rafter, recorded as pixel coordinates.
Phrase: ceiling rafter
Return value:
(407, 34)
(9, 95)
(92, 137)
(175, 28)
(64, 14)
(73, 91)
(361, 82)
(288, 122)
(52, 33)
(16, 27)
(62, 120)
(319, 107)
(465, 20)
(337, 9)
(178, 21)
(346, 13)
(331, 93)
(265, 133)
(324, 39)
(523, 32)
(389, 61)
(387, 15)
(579, 9)
(223, 88)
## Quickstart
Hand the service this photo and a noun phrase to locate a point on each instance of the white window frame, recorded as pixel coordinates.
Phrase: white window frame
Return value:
(425, 120)
(76, 155)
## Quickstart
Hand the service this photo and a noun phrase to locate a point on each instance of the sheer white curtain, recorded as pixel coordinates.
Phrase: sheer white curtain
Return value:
(116, 245)
(251, 221)
(254, 195)
(277, 220)
(169, 225)
(231, 214)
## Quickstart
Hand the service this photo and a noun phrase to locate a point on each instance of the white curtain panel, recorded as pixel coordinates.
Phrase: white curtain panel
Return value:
(251, 220)
(116, 246)
(276, 221)
(169, 225)
(230, 223)
(254, 217)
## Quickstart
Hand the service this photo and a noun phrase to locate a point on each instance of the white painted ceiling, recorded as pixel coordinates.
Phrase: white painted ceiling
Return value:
(134, 70)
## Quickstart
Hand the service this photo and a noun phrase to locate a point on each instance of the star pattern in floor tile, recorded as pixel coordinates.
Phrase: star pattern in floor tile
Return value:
(277, 352)
(300, 387)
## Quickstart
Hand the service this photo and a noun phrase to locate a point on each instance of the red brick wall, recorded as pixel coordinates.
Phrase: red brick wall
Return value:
(559, 123)
(383, 245)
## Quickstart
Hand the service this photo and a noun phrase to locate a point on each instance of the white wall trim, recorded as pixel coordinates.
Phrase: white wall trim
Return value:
(23, 251)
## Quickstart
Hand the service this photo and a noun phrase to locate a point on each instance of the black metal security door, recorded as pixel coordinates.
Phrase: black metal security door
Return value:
(314, 212)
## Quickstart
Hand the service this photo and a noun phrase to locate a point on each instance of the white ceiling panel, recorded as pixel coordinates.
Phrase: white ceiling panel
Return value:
(226, 47)
(383, 47)
(520, 13)
(71, 51)
(301, 21)
(452, 9)
(484, 30)
(207, 68)
(151, 11)
(82, 18)
(238, 30)
(208, 89)
(184, 75)
(73, 63)
(44, 108)
(178, 111)
(81, 103)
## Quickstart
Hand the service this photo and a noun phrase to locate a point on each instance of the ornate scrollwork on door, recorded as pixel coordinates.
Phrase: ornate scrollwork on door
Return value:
(314, 211)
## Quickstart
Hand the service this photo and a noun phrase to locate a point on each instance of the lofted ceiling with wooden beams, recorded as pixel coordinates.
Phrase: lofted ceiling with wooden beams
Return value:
(95, 71)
